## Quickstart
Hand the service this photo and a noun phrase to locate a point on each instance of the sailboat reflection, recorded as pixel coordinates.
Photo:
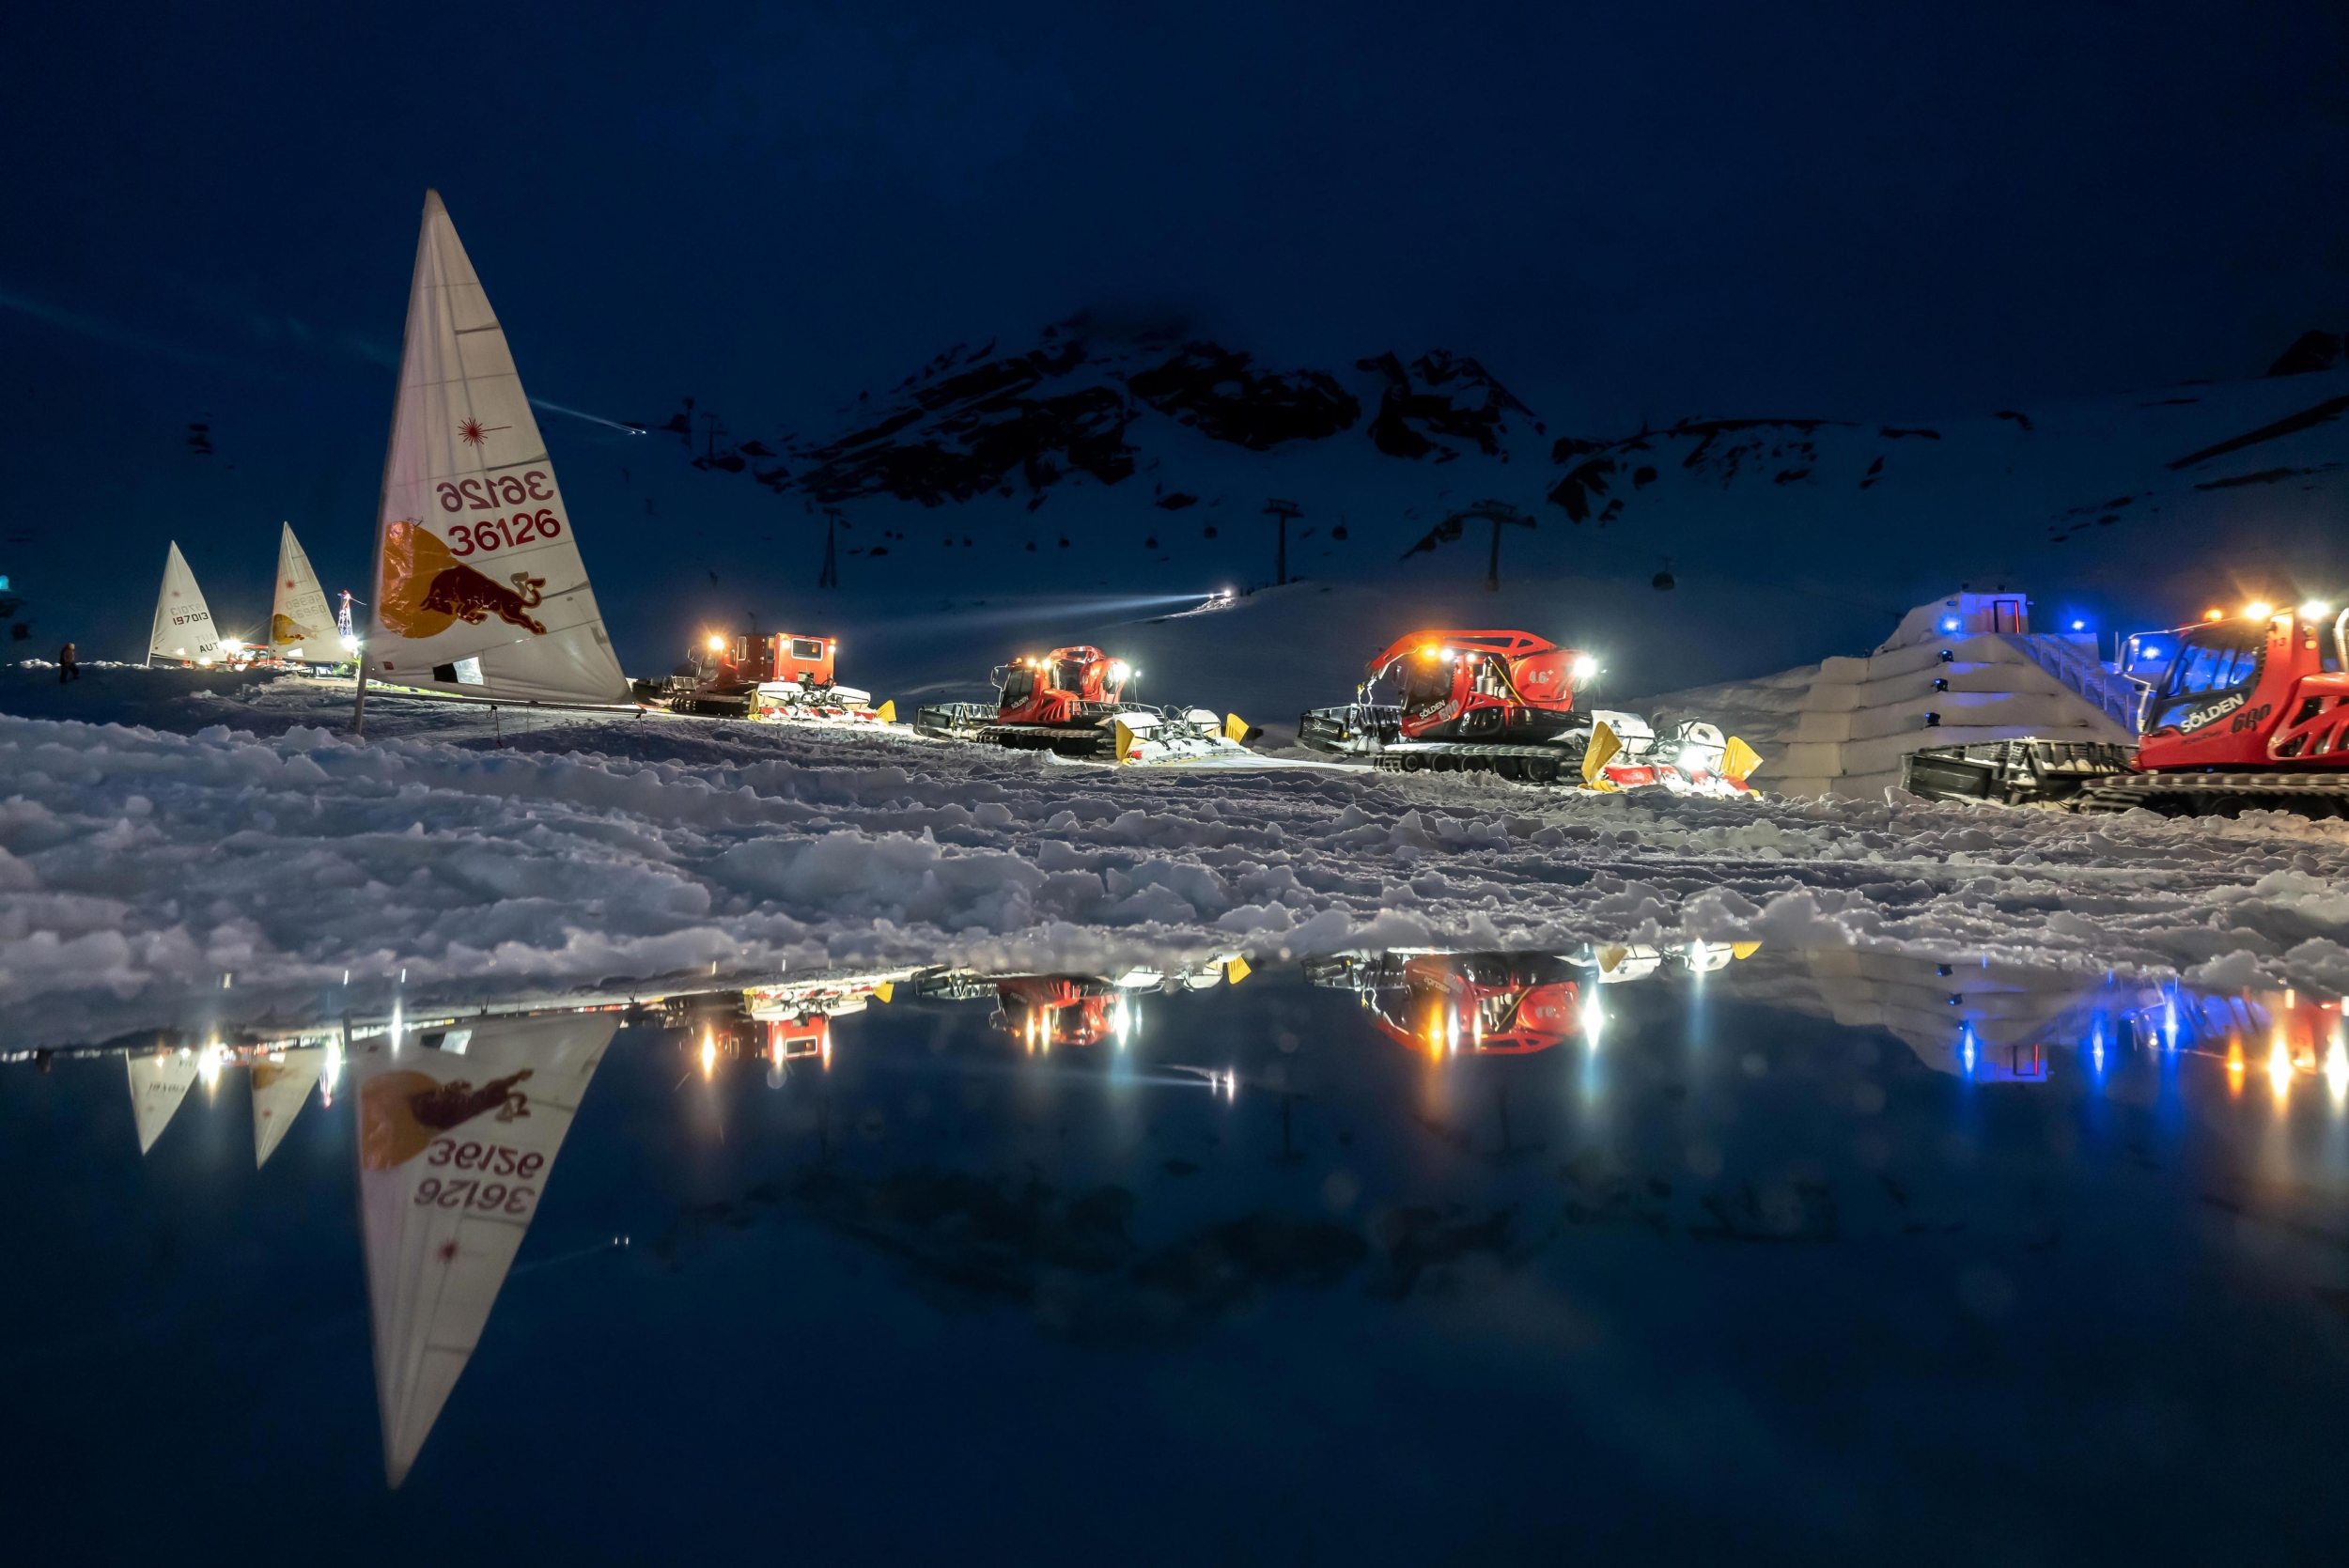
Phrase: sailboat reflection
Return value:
(160, 1081)
(281, 1083)
(455, 1149)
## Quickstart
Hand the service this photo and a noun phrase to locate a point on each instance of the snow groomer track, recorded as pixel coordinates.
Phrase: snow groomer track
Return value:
(249, 864)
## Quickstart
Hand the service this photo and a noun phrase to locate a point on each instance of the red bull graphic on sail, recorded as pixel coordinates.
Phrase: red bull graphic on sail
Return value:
(425, 589)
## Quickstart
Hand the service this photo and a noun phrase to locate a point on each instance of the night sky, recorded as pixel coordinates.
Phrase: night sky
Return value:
(1627, 213)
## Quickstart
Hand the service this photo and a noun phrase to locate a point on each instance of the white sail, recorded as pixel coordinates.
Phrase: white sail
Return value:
(454, 1153)
(160, 1081)
(300, 627)
(280, 1089)
(476, 559)
(183, 623)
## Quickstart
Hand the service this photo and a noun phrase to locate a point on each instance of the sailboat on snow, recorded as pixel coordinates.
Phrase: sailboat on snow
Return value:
(455, 1147)
(479, 587)
(300, 627)
(184, 622)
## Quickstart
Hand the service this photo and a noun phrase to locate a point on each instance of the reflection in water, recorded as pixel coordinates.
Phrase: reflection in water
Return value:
(1045, 1011)
(460, 1119)
(160, 1081)
(1494, 1004)
(454, 1152)
(1499, 1004)
(1042, 1011)
(281, 1087)
(783, 1023)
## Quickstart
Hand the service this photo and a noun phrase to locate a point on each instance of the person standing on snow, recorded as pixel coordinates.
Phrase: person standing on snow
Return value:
(68, 669)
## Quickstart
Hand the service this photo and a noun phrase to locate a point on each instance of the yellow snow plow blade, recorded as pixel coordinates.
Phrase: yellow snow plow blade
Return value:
(886, 990)
(1236, 729)
(1744, 950)
(1610, 956)
(1124, 741)
(1739, 760)
(1604, 745)
(887, 712)
(1237, 971)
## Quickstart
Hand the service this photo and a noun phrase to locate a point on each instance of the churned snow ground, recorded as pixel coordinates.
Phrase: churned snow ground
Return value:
(240, 852)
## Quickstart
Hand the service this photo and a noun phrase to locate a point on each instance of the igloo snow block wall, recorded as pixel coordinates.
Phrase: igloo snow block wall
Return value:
(1929, 686)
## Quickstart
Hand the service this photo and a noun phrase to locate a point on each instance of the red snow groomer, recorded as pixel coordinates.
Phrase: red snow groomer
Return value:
(786, 675)
(1072, 702)
(1502, 701)
(2251, 713)
(1449, 1003)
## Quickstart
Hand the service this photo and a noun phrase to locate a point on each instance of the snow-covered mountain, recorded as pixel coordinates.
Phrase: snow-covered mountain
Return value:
(1143, 446)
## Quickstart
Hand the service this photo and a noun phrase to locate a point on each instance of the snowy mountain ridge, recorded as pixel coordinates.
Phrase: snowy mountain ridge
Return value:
(1121, 438)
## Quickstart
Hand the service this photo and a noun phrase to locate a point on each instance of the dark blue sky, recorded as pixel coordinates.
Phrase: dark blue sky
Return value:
(1887, 211)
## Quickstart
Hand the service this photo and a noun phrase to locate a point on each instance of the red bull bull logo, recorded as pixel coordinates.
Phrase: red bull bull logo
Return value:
(425, 589)
(471, 597)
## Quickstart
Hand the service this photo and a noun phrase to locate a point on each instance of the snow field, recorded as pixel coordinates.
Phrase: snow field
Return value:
(139, 868)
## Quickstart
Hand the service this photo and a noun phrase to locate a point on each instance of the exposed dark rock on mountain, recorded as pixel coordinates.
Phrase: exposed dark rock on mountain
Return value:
(1214, 390)
(1716, 450)
(1460, 402)
(2323, 413)
(2264, 477)
(1721, 458)
(978, 427)
(1582, 484)
(1445, 532)
(2310, 351)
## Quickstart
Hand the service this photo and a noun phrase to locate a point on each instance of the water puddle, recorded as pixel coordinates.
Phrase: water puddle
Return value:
(1394, 1253)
